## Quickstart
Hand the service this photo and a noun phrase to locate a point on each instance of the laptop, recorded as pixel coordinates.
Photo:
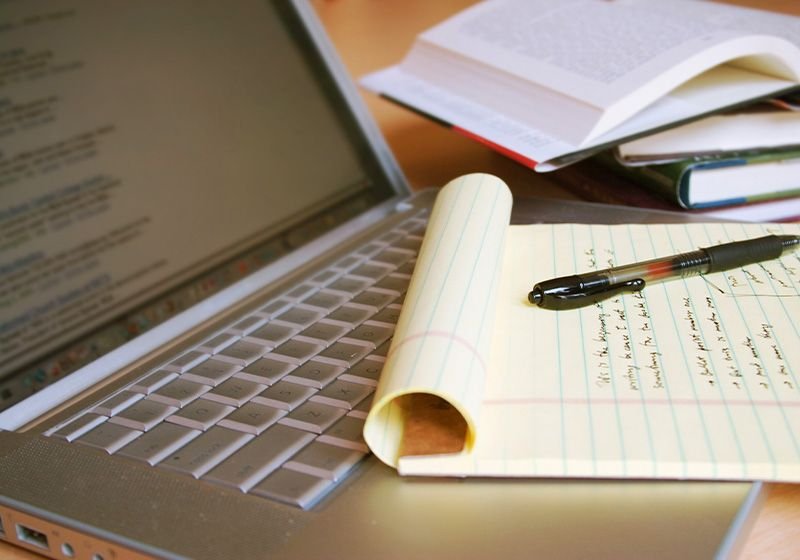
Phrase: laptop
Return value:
(205, 248)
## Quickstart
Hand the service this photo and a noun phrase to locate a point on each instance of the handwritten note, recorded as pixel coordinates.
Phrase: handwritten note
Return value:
(691, 378)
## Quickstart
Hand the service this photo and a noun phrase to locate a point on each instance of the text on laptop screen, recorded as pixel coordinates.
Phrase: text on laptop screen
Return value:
(144, 143)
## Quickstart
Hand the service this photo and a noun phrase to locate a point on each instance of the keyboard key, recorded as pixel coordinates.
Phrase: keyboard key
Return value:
(371, 271)
(243, 352)
(346, 263)
(143, 415)
(390, 238)
(188, 360)
(218, 342)
(247, 325)
(108, 437)
(285, 395)
(414, 226)
(78, 426)
(153, 381)
(179, 393)
(381, 351)
(361, 410)
(343, 394)
(370, 249)
(155, 445)
(314, 374)
(350, 315)
(275, 307)
(299, 316)
(372, 335)
(349, 285)
(367, 371)
(407, 268)
(323, 333)
(295, 351)
(374, 299)
(394, 257)
(201, 414)
(260, 457)
(396, 283)
(411, 243)
(343, 353)
(205, 451)
(325, 277)
(387, 316)
(301, 292)
(294, 488)
(347, 432)
(313, 417)
(211, 372)
(234, 392)
(325, 461)
(325, 300)
(272, 334)
(252, 418)
(117, 403)
(266, 371)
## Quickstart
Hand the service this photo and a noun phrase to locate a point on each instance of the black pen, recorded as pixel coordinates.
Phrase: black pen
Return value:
(579, 290)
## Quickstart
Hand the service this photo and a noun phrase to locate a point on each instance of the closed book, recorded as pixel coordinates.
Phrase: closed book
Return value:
(756, 128)
(728, 181)
(603, 179)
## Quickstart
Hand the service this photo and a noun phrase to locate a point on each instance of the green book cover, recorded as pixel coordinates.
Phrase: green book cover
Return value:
(724, 181)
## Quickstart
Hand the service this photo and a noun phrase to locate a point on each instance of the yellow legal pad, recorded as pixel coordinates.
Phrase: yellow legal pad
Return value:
(692, 378)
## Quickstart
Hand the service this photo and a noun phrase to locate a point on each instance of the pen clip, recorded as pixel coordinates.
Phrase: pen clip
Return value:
(635, 285)
(574, 300)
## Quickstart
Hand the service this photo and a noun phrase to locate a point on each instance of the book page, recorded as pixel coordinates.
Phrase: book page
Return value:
(599, 51)
(737, 131)
(691, 378)
(544, 146)
(543, 79)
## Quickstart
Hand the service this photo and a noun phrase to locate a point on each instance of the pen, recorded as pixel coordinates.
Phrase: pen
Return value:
(579, 290)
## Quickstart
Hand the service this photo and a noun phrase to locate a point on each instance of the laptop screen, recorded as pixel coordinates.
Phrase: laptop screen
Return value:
(152, 153)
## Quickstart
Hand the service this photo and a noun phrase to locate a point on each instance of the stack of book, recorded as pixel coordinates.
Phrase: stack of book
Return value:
(654, 85)
(744, 164)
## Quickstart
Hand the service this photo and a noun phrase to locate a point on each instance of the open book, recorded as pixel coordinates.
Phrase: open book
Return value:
(549, 82)
(690, 378)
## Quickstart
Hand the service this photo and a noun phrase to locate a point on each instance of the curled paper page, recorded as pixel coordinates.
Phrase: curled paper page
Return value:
(435, 372)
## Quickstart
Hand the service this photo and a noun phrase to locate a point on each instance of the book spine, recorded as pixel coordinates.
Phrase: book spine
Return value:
(662, 181)
(599, 181)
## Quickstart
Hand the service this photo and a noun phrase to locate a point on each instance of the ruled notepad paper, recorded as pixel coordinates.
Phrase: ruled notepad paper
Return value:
(691, 378)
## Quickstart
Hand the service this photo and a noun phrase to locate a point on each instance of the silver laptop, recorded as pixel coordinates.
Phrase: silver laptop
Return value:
(205, 249)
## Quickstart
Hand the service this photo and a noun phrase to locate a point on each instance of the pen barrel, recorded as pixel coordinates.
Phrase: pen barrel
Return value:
(675, 266)
(741, 253)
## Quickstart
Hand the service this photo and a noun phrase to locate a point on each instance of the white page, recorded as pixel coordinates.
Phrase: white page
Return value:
(540, 96)
(596, 51)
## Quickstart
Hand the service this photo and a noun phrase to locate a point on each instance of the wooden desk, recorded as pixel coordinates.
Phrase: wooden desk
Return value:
(371, 35)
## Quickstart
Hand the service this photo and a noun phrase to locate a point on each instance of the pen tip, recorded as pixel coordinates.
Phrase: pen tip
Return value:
(789, 241)
(535, 296)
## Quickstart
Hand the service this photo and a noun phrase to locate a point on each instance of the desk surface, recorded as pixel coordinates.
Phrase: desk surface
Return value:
(431, 155)
(371, 35)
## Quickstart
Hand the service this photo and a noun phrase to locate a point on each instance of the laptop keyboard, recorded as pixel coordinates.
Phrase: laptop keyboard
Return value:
(274, 404)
